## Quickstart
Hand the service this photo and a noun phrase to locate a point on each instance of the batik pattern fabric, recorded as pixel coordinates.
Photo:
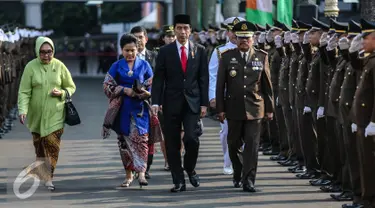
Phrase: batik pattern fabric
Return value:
(134, 149)
(47, 151)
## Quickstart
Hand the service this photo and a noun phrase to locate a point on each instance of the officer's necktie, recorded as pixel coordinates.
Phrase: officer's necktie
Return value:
(244, 56)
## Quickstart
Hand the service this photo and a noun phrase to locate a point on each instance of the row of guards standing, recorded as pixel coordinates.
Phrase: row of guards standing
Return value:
(16, 50)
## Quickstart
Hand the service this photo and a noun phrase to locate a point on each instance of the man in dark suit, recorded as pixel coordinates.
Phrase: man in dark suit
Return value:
(244, 96)
(141, 33)
(180, 84)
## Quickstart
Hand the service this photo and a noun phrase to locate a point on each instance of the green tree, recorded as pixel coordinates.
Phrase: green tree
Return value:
(71, 19)
(12, 12)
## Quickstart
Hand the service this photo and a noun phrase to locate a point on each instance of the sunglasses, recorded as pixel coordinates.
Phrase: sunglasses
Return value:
(47, 52)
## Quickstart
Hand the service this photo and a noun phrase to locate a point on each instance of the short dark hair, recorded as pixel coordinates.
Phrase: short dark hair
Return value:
(138, 29)
(126, 39)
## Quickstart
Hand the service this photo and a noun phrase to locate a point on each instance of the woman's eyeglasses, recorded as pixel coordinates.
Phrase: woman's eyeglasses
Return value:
(48, 52)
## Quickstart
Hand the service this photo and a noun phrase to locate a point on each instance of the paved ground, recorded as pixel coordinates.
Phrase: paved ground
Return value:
(89, 171)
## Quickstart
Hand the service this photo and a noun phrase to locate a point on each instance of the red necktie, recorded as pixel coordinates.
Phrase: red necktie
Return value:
(183, 59)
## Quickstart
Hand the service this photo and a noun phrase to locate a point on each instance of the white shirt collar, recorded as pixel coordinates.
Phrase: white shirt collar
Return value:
(143, 52)
(179, 45)
(247, 54)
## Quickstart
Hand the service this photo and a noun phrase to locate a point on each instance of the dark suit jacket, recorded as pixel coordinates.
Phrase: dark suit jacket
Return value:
(171, 86)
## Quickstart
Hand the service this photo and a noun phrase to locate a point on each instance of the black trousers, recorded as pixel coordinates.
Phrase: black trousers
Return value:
(308, 139)
(321, 150)
(297, 143)
(248, 132)
(352, 161)
(172, 122)
(333, 144)
(366, 148)
(283, 133)
(288, 122)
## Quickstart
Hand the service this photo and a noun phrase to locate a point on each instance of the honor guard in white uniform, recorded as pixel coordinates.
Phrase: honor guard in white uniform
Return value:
(213, 68)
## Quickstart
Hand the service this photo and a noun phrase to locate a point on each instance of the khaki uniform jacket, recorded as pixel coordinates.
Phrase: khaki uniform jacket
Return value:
(244, 90)
(364, 95)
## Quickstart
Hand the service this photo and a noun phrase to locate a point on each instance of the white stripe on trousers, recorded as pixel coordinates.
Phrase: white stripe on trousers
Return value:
(224, 143)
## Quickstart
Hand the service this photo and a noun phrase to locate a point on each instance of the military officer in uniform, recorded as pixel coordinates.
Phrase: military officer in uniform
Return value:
(244, 96)
(213, 68)
(348, 88)
(277, 126)
(298, 30)
(364, 109)
(335, 78)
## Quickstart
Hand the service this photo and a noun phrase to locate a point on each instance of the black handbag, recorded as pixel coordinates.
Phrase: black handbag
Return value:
(137, 86)
(71, 114)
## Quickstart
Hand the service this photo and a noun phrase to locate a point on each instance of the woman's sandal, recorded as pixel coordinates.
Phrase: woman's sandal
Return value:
(127, 182)
(51, 188)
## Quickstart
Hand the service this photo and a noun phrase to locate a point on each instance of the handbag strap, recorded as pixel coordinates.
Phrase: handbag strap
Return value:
(67, 97)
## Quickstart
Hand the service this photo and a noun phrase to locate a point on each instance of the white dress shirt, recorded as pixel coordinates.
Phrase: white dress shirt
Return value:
(247, 55)
(179, 53)
(186, 48)
(142, 54)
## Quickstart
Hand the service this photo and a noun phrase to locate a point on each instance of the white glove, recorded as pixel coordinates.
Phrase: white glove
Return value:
(357, 44)
(269, 37)
(277, 101)
(291, 107)
(306, 110)
(323, 39)
(295, 38)
(332, 44)
(354, 127)
(213, 39)
(306, 37)
(344, 43)
(255, 42)
(370, 129)
(202, 37)
(320, 113)
(287, 37)
(262, 37)
(278, 41)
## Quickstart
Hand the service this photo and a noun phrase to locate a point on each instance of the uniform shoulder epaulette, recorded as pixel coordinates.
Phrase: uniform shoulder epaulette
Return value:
(226, 50)
(219, 46)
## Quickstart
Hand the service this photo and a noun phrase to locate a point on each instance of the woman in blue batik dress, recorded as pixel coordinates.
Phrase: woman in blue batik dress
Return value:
(129, 114)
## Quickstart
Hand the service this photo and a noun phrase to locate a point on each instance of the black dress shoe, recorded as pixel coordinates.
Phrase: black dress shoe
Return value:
(178, 188)
(278, 158)
(270, 152)
(306, 175)
(320, 182)
(288, 163)
(352, 206)
(344, 196)
(248, 188)
(299, 169)
(194, 179)
(331, 189)
(237, 184)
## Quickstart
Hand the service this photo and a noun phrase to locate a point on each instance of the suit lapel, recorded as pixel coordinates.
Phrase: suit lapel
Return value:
(190, 55)
(148, 58)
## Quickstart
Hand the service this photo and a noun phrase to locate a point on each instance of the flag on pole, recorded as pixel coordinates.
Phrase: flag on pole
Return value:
(285, 11)
(259, 11)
